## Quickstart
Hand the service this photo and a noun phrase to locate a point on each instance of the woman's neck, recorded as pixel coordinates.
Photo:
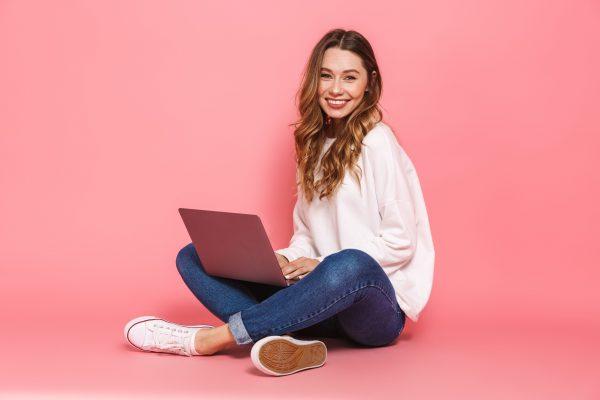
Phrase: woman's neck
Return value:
(333, 130)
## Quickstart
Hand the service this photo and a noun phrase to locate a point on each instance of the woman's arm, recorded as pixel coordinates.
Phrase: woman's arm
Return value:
(301, 242)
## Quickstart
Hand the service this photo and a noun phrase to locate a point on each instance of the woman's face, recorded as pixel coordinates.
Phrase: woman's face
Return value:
(342, 82)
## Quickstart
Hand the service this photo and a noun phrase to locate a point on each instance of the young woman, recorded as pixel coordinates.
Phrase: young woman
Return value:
(361, 256)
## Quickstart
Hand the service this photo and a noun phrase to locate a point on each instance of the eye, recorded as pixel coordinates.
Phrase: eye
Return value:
(323, 75)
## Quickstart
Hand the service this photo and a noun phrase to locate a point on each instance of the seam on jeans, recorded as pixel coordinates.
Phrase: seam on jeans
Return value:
(334, 302)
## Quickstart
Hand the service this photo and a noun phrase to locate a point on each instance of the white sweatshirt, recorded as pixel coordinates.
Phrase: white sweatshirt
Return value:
(386, 218)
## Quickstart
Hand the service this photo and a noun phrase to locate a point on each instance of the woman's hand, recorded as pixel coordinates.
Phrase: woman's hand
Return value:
(283, 261)
(298, 268)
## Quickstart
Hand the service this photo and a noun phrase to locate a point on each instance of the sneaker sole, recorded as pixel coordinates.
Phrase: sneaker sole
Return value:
(146, 318)
(284, 355)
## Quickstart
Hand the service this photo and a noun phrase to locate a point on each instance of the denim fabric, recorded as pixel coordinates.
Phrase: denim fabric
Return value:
(347, 295)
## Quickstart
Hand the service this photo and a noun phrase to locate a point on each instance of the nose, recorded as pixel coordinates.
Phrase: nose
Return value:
(336, 87)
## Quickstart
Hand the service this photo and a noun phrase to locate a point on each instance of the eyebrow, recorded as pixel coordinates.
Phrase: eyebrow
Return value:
(343, 72)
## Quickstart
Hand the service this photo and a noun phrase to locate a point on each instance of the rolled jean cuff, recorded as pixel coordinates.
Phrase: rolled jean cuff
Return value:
(238, 330)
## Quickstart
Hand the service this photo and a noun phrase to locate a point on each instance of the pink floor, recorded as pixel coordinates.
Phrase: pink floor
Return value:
(79, 350)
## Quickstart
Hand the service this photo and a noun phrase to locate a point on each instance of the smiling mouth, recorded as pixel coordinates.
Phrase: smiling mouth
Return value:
(337, 102)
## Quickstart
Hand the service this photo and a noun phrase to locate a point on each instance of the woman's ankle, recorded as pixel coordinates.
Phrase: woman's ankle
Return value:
(212, 340)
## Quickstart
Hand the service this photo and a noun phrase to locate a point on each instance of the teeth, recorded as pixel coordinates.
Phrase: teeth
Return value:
(337, 101)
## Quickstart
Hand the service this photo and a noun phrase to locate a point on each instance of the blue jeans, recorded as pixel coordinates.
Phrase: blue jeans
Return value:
(347, 295)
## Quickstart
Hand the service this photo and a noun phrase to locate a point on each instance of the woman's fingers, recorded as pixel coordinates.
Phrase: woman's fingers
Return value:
(288, 269)
(295, 273)
(290, 274)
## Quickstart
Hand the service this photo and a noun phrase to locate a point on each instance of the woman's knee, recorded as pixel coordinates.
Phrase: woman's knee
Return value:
(348, 264)
(185, 258)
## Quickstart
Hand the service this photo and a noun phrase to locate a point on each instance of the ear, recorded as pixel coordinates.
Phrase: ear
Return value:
(373, 75)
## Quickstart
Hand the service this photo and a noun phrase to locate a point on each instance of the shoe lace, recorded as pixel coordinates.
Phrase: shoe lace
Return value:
(173, 340)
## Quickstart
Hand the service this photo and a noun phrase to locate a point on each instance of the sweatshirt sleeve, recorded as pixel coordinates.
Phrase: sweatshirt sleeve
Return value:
(301, 242)
(394, 244)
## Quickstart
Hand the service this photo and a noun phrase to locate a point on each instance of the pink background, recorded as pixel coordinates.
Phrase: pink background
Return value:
(114, 114)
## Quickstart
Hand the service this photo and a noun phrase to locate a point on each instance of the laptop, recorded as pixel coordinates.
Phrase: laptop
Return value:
(233, 245)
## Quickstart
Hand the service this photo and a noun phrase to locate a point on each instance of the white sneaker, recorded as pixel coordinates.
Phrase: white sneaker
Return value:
(151, 333)
(284, 355)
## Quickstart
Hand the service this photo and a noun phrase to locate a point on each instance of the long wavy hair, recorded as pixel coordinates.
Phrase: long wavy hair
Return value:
(309, 133)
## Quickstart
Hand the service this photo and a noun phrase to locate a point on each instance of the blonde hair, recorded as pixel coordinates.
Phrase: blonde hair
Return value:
(309, 133)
